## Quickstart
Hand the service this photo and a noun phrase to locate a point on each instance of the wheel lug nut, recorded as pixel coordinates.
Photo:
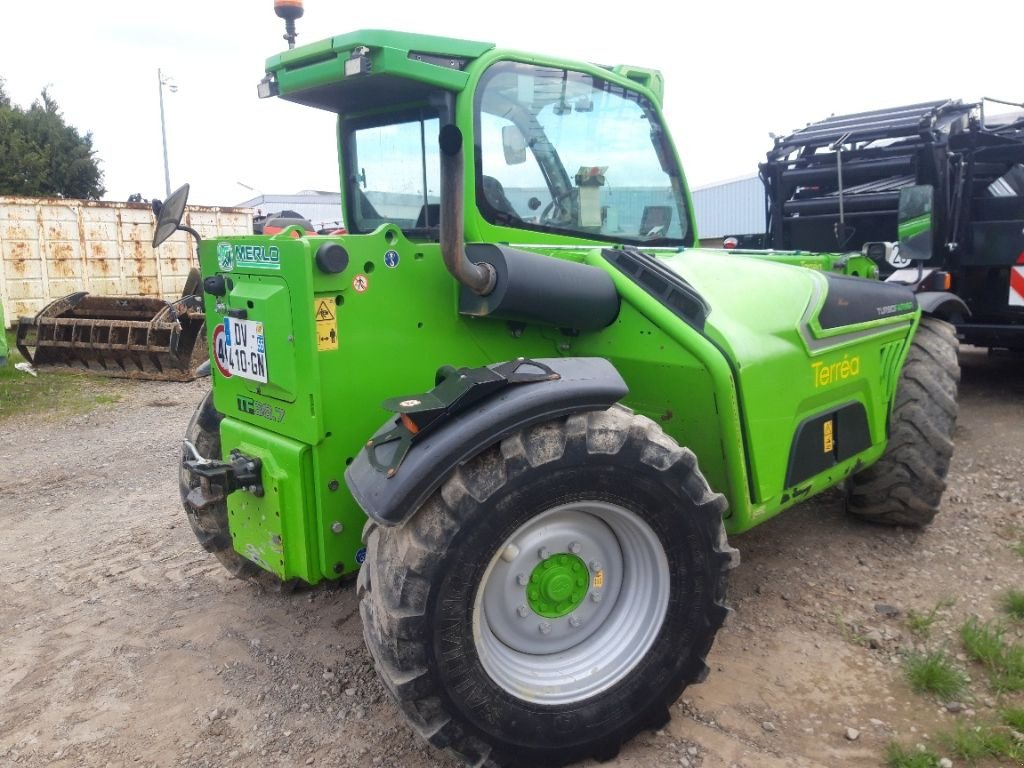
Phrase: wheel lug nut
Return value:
(575, 547)
(522, 579)
(574, 621)
(522, 610)
(595, 597)
(543, 553)
(544, 627)
(595, 566)
(511, 553)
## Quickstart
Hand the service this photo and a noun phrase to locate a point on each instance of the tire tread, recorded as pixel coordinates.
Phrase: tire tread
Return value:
(390, 608)
(905, 486)
(210, 525)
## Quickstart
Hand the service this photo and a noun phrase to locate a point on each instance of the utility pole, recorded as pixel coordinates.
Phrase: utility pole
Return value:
(163, 126)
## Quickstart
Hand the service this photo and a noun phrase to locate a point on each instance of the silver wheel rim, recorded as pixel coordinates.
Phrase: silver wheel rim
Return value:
(576, 656)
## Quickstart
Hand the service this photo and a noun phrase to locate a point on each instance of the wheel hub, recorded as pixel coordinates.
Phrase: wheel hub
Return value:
(571, 601)
(557, 586)
(553, 583)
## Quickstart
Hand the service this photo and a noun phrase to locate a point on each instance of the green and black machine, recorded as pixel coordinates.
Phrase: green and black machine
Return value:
(520, 403)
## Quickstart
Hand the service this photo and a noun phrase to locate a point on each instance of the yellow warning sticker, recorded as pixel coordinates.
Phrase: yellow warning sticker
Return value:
(830, 442)
(598, 579)
(326, 324)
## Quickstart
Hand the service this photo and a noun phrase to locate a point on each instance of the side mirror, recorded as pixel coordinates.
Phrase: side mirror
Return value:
(514, 145)
(168, 215)
(916, 221)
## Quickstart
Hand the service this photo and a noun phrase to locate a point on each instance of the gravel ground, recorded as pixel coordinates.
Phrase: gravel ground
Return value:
(124, 644)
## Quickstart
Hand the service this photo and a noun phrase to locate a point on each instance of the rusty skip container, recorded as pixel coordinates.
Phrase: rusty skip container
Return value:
(92, 293)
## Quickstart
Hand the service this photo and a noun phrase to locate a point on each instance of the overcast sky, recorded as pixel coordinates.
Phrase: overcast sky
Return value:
(734, 71)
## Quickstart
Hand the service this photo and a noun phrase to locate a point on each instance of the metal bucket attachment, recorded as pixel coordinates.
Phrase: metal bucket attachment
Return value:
(131, 337)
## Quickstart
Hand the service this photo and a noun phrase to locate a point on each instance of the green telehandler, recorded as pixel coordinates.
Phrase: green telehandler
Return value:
(541, 562)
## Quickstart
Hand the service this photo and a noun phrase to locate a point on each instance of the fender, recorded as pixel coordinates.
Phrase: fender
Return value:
(943, 305)
(583, 384)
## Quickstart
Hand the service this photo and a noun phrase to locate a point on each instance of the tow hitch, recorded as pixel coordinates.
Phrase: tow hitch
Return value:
(218, 479)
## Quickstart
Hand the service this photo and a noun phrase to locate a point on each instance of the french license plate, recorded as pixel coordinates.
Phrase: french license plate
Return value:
(240, 349)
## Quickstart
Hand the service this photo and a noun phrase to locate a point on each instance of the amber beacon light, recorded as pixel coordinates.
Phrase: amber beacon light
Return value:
(289, 10)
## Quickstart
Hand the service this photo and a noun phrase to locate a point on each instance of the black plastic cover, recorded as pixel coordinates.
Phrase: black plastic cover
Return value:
(584, 384)
(215, 285)
(828, 439)
(531, 288)
(853, 300)
(944, 305)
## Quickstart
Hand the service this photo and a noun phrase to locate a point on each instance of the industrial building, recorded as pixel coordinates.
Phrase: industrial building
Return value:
(734, 207)
(320, 208)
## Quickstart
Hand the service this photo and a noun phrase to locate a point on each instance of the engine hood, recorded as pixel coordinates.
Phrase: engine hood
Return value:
(756, 307)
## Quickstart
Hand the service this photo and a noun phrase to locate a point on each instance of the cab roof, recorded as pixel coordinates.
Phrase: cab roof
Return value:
(361, 70)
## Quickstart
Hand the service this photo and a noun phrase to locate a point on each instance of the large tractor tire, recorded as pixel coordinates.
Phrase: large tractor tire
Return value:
(210, 525)
(905, 486)
(554, 597)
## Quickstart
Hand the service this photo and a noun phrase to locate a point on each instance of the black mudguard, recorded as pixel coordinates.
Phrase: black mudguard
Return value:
(584, 384)
(943, 305)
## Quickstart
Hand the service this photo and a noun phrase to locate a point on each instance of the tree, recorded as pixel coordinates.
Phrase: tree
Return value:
(42, 155)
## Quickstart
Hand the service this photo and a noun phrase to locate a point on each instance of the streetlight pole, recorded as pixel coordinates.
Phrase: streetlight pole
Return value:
(163, 126)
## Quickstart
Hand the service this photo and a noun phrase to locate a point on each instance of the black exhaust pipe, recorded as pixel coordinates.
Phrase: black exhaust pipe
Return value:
(479, 278)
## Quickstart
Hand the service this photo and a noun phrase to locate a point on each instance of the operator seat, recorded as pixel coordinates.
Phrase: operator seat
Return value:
(495, 194)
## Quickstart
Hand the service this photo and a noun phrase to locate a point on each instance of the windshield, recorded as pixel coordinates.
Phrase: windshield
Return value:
(564, 151)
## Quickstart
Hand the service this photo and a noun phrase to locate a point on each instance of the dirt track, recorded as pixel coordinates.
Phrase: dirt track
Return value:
(123, 643)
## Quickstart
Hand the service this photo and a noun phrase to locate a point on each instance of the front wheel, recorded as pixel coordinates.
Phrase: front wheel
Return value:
(554, 597)
(905, 486)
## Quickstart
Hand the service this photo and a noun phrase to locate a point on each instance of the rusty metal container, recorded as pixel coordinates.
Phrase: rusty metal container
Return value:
(50, 248)
(93, 293)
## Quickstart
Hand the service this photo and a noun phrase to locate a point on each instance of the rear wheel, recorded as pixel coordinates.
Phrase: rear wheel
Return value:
(905, 486)
(210, 525)
(554, 597)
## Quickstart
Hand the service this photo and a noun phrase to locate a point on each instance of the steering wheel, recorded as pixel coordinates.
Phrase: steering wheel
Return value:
(556, 212)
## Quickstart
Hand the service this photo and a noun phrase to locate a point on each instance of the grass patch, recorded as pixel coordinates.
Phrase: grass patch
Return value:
(985, 643)
(898, 757)
(57, 394)
(921, 623)
(973, 743)
(1013, 604)
(968, 743)
(934, 673)
(1019, 548)
(1013, 717)
(1010, 676)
